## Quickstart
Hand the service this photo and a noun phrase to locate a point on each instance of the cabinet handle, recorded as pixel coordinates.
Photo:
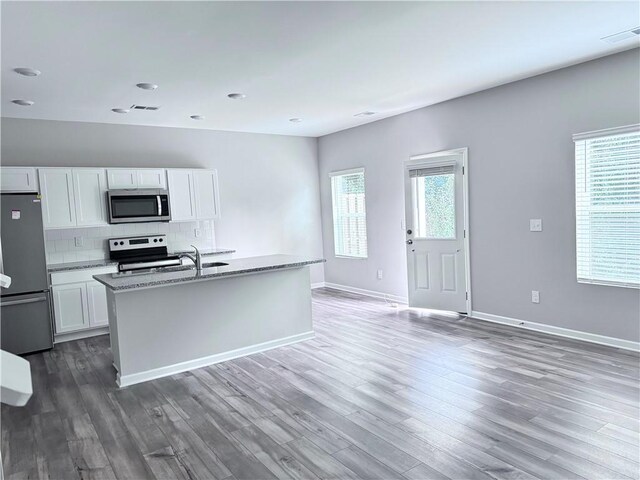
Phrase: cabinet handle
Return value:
(159, 205)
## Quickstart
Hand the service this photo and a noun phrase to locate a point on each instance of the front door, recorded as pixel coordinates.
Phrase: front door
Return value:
(435, 222)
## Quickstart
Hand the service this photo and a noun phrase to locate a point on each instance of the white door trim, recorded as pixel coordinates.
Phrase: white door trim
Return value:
(433, 159)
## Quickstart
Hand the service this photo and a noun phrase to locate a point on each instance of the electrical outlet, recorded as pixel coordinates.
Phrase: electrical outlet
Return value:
(197, 232)
(79, 241)
(535, 296)
(379, 274)
(535, 225)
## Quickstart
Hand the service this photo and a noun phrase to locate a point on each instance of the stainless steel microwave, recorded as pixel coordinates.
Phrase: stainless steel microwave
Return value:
(142, 205)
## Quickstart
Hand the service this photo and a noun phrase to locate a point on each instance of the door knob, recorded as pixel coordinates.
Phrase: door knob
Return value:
(409, 242)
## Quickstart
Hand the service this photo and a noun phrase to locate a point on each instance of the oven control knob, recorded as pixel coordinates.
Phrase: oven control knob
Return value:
(115, 243)
(121, 243)
(160, 239)
(155, 240)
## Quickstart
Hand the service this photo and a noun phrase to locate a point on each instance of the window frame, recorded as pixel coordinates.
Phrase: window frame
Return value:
(581, 210)
(340, 173)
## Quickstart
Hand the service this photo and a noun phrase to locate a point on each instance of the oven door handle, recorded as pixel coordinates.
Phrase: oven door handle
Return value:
(159, 205)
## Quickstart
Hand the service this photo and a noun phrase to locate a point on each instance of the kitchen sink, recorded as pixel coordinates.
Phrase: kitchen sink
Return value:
(176, 268)
(214, 264)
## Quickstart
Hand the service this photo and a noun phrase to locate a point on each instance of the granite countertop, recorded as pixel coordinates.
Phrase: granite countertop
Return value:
(238, 266)
(105, 262)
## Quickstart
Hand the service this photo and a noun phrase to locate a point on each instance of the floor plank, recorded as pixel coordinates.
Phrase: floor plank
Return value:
(380, 393)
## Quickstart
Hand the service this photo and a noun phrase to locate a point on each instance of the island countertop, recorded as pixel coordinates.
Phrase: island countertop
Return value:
(106, 262)
(239, 266)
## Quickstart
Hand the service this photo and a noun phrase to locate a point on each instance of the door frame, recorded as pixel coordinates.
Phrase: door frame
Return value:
(428, 159)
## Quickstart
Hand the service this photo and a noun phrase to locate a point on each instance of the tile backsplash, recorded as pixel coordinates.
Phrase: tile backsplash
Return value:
(61, 244)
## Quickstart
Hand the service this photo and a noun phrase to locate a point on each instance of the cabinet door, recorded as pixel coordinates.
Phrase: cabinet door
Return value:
(58, 206)
(182, 196)
(122, 178)
(206, 192)
(90, 186)
(97, 304)
(18, 179)
(70, 307)
(152, 178)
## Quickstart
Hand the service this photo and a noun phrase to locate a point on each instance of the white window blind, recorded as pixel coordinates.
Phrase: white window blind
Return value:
(608, 206)
(349, 213)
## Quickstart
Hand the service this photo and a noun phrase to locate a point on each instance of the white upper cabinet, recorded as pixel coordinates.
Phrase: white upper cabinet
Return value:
(152, 178)
(206, 193)
(193, 194)
(90, 187)
(136, 178)
(58, 205)
(18, 179)
(182, 195)
(122, 178)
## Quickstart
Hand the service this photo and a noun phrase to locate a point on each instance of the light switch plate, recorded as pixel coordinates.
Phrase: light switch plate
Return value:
(535, 225)
(379, 274)
(79, 241)
(197, 232)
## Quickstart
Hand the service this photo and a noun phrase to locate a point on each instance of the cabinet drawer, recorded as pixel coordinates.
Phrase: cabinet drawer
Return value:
(84, 275)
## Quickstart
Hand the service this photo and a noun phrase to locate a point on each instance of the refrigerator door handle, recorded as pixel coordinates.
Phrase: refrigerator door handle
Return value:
(1, 262)
(22, 302)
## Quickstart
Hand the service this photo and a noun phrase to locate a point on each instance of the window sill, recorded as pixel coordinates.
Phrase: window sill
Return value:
(608, 284)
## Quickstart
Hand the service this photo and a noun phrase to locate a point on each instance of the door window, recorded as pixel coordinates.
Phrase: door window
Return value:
(434, 200)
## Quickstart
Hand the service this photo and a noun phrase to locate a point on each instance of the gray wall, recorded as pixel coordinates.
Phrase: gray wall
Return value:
(269, 193)
(521, 166)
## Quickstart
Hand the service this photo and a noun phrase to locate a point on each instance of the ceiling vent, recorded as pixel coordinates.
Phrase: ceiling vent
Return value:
(143, 107)
(619, 37)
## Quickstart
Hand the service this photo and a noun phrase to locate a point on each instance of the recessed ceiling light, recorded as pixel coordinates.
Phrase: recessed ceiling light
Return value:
(364, 114)
(120, 110)
(22, 103)
(295, 120)
(147, 86)
(27, 72)
(197, 117)
(237, 96)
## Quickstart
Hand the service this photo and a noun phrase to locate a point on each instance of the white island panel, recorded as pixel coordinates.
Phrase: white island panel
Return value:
(180, 326)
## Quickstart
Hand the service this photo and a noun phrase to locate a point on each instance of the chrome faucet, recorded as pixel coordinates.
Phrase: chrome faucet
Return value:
(196, 259)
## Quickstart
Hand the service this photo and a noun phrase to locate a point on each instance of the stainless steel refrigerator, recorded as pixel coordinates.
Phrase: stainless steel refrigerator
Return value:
(25, 308)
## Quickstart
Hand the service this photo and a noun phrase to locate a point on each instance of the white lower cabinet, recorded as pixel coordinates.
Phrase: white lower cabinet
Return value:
(79, 302)
(70, 307)
(97, 304)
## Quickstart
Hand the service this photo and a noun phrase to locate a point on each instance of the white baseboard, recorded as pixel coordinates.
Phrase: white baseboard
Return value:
(368, 293)
(559, 331)
(67, 337)
(317, 285)
(126, 380)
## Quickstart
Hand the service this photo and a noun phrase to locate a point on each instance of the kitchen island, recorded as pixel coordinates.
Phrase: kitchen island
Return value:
(170, 321)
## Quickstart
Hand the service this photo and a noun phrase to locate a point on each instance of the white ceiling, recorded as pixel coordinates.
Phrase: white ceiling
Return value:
(320, 61)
